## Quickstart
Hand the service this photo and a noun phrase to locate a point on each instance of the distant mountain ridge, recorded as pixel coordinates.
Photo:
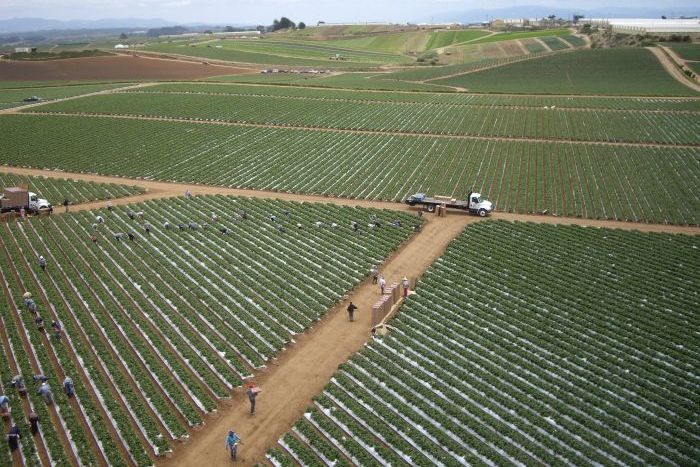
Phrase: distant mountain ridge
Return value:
(13, 25)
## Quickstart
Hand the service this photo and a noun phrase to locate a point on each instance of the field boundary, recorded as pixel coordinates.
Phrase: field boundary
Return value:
(156, 189)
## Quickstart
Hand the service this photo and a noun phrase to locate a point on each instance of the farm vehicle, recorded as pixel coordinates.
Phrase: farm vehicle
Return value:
(16, 198)
(474, 203)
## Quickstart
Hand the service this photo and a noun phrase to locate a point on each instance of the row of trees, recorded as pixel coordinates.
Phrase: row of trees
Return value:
(286, 23)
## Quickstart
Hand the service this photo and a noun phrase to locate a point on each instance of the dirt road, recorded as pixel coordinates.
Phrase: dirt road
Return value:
(302, 371)
(158, 189)
(673, 69)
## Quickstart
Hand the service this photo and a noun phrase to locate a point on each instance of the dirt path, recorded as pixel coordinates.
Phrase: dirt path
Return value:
(360, 131)
(159, 189)
(672, 68)
(301, 371)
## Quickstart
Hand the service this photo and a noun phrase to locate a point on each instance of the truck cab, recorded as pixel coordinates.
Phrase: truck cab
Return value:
(478, 205)
(36, 203)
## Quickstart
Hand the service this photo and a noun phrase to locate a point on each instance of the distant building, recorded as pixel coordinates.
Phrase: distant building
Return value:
(121, 46)
(25, 50)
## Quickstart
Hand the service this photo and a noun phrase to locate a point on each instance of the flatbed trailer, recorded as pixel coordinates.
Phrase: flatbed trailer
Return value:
(474, 203)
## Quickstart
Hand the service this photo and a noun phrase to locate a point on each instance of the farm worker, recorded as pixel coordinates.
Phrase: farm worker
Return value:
(299, 226)
(50, 209)
(224, 230)
(375, 274)
(33, 423)
(93, 238)
(193, 225)
(99, 219)
(214, 217)
(273, 218)
(39, 321)
(334, 225)
(13, 437)
(287, 213)
(139, 214)
(181, 226)
(40, 378)
(131, 214)
(382, 284)
(166, 225)
(42, 263)
(351, 311)
(94, 226)
(109, 206)
(68, 386)
(244, 215)
(404, 283)
(319, 224)
(188, 195)
(65, 204)
(354, 226)
(232, 441)
(22, 212)
(280, 227)
(56, 326)
(131, 236)
(29, 302)
(416, 228)
(45, 392)
(396, 223)
(118, 236)
(4, 404)
(252, 394)
(205, 225)
(147, 227)
(18, 383)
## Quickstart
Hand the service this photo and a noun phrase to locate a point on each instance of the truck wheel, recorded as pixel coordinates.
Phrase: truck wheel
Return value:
(431, 208)
(482, 212)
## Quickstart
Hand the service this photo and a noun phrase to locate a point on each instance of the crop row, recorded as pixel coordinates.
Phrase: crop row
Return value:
(455, 99)
(624, 183)
(159, 329)
(564, 353)
(493, 121)
(56, 190)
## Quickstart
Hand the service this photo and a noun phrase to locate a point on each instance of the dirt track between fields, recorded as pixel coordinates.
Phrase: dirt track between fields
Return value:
(671, 67)
(353, 131)
(117, 67)
(301, 371)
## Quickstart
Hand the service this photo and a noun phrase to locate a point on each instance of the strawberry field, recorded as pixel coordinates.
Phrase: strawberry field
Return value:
(159, 329)
(617, 71)
(55, 190)
(454, 99)
(441, 119)
(525, 344)
(653, 184)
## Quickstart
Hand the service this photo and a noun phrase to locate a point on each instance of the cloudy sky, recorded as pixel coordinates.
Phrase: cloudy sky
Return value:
(261, 11)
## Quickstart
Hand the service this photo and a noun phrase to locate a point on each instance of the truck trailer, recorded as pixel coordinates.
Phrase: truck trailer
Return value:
(474, 203)
(16, 198)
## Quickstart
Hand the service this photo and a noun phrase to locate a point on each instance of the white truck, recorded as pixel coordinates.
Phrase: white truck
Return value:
(16, 198)
(474, 203)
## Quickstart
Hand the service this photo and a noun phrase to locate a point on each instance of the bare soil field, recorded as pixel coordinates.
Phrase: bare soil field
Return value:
(119, 67)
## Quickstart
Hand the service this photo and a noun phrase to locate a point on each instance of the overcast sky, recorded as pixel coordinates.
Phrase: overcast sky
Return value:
(263, 11)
